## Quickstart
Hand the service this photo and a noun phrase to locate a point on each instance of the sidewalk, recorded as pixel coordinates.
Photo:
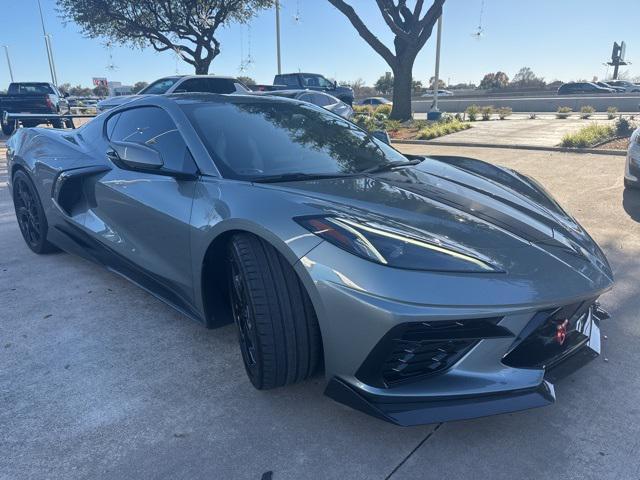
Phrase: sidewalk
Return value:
(541, 132)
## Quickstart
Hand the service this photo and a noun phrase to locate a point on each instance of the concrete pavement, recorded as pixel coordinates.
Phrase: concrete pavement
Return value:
(541, 132)
(100, 380)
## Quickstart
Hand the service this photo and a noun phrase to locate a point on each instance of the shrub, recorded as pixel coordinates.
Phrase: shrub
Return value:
(504, 112)
(588, 136)
(392, 125)
(472, 112)
(438, 129)
(362, 109)
(624, 127)
(365, 121)
(459, 117)
(564, 112)
(586, 111)
(611, 112)
(446, 118)
(487, 112)
(532, 116)
(384, 109)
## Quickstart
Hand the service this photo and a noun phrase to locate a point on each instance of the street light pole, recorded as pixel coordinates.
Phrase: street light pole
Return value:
(434, 113)
(6, 52)
(47, 44)
(278, 36)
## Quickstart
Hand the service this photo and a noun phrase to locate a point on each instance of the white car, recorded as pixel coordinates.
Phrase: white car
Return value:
(180, 84)
(441, 93)
(628, 86)
(632, 166)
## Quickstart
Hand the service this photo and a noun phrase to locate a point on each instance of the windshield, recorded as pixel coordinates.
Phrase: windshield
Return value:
(159, 86)
(315, 81)
(251, 139)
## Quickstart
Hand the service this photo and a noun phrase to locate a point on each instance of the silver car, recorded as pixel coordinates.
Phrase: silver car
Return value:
(632, 165)
(179, 84)
(425, 289)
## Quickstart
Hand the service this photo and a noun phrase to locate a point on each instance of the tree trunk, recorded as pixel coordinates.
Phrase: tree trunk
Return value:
(402, 77)
(202, 66)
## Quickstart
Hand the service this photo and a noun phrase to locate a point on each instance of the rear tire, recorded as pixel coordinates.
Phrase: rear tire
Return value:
(30, 214)
(277, 326)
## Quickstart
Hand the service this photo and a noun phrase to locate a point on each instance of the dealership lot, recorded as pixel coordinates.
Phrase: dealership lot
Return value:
(100, 380)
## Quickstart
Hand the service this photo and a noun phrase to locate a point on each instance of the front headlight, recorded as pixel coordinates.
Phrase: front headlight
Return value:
(387, 245)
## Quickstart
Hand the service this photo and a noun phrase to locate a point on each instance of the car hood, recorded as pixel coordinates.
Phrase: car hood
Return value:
(492, 212)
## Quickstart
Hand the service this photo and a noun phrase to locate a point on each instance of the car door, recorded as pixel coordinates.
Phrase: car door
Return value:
(140, 215)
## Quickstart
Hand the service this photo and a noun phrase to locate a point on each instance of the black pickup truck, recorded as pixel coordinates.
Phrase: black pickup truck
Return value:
(308, 81)
(33, 98)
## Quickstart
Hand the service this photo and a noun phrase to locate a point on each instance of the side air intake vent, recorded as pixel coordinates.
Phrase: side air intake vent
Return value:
(414, 350)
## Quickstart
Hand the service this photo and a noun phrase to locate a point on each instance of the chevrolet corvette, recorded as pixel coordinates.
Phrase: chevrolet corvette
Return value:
(425, 289)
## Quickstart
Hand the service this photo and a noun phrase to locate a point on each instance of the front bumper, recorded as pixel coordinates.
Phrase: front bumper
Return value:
(495, 374)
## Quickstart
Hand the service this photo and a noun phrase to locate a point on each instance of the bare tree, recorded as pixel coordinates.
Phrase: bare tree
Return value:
(411, 28)
(186, 27)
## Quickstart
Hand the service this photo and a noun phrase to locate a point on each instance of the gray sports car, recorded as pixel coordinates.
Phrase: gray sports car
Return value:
(426, 289)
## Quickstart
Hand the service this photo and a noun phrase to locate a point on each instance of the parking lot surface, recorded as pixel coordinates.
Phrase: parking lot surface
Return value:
(98, 379)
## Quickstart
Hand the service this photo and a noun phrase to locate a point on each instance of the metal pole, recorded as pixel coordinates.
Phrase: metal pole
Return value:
(6, 52)
(46, 44)
(277, 36)
(437, 73)
(53, 65)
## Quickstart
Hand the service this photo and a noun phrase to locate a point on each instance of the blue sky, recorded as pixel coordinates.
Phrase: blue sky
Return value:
(558, 39)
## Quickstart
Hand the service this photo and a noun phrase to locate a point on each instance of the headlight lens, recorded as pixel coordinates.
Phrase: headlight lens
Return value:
(389, 246)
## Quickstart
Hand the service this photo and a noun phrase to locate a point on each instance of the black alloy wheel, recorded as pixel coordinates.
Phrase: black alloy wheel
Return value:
(30, 215)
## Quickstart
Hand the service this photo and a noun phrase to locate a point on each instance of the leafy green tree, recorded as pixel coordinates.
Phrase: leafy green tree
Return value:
(80, 91)
(186, 27)
(385, 83)
(525, 78)
(100, 91)
(139, 86)
(411, 27)
(494, 80)
(248, 81)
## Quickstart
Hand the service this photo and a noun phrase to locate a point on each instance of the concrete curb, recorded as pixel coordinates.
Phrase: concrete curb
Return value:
(514, 146)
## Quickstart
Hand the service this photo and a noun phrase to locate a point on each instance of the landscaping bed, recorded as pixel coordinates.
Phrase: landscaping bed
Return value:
(378, 119)
(610, 137)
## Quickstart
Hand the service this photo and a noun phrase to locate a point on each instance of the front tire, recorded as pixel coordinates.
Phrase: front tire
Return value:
(30, 214)
(277, 327)
(8, 127)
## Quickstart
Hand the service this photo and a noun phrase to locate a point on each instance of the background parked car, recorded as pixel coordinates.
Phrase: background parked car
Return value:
(628, 86)
(375, 101)
(308, 81)
(632, 167)
(575, 88)
(180, 84)
(30, 98)
(320, 99)
(441, 93)
(607, 85)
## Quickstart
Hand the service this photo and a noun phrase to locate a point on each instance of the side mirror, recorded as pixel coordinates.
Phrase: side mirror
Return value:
(65, 94)
(381, 135)
(135, 156)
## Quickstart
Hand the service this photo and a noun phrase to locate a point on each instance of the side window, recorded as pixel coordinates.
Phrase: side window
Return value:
(153, 127)
(289, 81)
(323, 100)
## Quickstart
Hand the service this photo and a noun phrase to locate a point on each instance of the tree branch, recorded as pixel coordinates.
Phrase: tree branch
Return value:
(364, 32)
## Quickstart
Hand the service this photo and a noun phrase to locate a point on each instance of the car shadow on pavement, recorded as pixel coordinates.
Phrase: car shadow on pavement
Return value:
(631, 203)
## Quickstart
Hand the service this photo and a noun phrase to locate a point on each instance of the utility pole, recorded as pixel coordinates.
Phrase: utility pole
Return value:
(434, 113)
(6, 52)
(47, 44)
(277, 36)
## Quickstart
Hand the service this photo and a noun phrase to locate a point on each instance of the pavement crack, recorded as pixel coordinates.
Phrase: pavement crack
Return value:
(416, 448)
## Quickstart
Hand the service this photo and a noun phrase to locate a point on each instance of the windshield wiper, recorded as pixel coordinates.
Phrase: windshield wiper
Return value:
(292, 177)
(385, 167)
